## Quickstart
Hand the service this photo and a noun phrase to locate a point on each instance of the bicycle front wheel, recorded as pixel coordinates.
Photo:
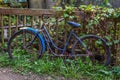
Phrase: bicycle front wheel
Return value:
(24, 43)
(98, 51)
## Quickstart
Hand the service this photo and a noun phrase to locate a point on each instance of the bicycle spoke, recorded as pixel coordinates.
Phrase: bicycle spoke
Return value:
(96, 50)
(23, 43)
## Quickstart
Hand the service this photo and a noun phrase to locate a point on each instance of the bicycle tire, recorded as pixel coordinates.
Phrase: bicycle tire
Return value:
(18, 37)
(99, 44)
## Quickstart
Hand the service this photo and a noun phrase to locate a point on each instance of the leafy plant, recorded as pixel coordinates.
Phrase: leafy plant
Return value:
(70, 69)
(106, 3)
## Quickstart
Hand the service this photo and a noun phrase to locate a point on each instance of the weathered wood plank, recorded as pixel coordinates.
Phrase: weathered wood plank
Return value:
(31, 12)
(16, 22)
(24, 21)
(2, 28)
(9, 24)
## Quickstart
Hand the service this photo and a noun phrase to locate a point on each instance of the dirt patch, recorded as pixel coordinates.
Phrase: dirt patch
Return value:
(9, 74)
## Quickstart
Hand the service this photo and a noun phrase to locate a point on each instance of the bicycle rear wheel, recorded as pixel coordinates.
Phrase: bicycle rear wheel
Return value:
(98, 51)
(24, 43)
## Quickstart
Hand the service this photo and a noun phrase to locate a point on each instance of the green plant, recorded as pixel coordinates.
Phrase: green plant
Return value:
(101, 14)
(106, 3)
(70, 69)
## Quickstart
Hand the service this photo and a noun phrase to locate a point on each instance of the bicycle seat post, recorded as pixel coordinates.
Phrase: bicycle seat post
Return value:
(73, 30)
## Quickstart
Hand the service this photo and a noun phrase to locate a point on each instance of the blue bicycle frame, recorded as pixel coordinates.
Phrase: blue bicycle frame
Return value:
(46, 38)
(49, 40)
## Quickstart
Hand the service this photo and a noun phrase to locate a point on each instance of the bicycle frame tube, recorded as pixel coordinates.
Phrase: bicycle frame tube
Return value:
(67, 41)
(50, 39)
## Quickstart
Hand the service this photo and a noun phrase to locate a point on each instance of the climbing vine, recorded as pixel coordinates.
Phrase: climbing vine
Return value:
(98, 20)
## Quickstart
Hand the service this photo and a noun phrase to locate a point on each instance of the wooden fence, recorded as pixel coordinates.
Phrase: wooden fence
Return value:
(12, 19)
(6, 23)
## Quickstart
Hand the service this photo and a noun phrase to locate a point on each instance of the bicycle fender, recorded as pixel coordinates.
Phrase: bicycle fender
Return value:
(39, 35)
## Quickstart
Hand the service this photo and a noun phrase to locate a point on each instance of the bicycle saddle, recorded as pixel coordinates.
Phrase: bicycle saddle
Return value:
(74, 24)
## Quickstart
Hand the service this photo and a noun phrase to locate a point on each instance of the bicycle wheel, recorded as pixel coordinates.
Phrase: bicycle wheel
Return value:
(98, 51)
(25, 43)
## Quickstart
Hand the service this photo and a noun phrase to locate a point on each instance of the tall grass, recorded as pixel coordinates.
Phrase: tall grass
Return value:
(75, 69)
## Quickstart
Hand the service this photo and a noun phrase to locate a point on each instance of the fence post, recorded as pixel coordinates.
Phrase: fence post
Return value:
(117, 56)
(56, 38)
(2, 28)
(9, 25)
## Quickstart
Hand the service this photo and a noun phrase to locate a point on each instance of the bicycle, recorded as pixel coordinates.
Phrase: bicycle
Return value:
(37, 40)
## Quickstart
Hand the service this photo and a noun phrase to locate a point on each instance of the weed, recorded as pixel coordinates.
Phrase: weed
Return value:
(75, 69)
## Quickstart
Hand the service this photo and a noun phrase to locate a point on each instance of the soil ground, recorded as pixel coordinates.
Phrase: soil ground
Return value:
(9, 74)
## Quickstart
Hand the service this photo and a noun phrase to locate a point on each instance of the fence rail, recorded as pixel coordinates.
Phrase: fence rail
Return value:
(31, 12)
(12, 19)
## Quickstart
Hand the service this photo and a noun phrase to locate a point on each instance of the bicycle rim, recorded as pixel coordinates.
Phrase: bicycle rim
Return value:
(99, 52)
